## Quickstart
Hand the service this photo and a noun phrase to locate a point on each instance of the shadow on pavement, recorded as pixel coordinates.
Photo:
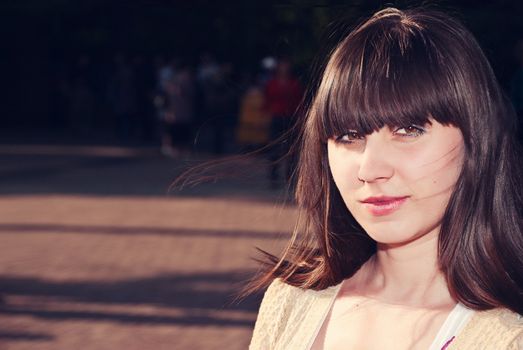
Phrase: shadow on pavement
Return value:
(119, 230)
(140, 175)
(129, 318)
(198, 296)
(25, 336)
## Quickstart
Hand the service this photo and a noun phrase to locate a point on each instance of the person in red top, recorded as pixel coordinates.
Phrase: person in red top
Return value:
(283, 93)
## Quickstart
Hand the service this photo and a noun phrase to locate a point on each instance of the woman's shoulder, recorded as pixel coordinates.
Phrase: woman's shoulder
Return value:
(498, 328)
(280, 292)
(281, 295)
(278, 288)
(285, 311)
(280, 301)
(275, 309)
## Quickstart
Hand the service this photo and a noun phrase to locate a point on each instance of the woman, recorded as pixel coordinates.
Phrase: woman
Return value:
(409, 235)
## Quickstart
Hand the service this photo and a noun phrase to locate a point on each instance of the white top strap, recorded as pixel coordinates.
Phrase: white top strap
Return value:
(456, 320)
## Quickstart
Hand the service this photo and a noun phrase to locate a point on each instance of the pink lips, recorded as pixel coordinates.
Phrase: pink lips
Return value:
(383, 205)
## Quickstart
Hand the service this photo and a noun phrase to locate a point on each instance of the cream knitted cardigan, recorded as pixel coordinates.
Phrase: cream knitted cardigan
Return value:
(290, 317)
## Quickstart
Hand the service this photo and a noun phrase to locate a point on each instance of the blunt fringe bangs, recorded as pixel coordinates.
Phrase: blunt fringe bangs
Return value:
(400, 68)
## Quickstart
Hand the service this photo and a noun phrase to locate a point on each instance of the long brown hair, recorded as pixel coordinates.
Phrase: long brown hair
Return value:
(399, 68)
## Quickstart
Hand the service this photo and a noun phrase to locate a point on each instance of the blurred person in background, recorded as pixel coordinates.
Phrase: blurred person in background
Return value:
(283, 93)
(268, 65)
(218, 107)
(254, 120)
(207, 69)
(176, 110)
(166, 69)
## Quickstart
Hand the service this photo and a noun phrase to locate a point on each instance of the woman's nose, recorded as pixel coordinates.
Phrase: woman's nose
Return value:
(375, 163)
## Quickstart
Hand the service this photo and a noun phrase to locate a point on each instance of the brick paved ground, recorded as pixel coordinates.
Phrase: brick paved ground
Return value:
(94, 255)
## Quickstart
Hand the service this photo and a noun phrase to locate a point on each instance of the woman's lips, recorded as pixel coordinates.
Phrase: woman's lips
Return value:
(380, 206)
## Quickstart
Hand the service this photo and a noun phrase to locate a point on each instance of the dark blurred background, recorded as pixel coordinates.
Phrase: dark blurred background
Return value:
(65, 63)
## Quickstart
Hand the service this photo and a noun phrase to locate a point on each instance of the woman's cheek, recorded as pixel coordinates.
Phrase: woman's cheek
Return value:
(345, 177)
(336, 164)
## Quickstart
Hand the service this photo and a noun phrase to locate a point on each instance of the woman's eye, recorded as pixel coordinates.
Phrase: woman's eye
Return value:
(349, 137)
(409, 131)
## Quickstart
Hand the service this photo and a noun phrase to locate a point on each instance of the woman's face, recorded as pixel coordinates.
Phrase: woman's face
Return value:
(397, 182)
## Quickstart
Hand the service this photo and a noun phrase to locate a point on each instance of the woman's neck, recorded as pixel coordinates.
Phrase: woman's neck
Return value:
(406, 274)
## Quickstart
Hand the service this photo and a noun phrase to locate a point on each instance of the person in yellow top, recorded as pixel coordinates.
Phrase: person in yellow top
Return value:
(409, 192)
(254, 119)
